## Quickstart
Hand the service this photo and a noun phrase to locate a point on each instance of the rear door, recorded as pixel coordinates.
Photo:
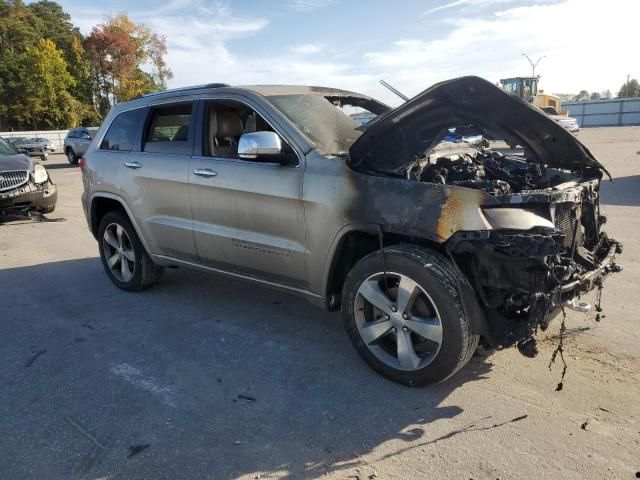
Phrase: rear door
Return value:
(248, 215)
(154, 173)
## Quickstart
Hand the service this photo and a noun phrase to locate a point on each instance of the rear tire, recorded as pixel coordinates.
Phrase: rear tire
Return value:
(124, 259)
(417, 332)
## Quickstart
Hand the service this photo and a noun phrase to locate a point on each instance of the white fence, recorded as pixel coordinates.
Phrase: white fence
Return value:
(55, 137)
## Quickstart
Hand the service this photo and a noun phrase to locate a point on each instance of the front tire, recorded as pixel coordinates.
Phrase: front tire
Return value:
(49, 209)
(71, 157)
(124, 259)
(410, 324)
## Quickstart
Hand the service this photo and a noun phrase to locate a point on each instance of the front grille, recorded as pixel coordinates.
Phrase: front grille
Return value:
(13, 179)
(565, 222)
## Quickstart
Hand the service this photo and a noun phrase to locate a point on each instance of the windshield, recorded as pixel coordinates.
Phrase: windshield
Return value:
(6, 148)
(328, 127)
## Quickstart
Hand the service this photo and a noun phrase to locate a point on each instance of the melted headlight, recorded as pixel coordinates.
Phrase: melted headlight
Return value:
(515, 219)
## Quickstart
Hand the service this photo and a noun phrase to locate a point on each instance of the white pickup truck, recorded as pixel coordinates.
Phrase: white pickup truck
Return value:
(565, 121)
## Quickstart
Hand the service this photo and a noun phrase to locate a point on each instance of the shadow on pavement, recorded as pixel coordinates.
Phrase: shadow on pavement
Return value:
(60, 166)
(15, 218)
(206, 377)
(622, 191)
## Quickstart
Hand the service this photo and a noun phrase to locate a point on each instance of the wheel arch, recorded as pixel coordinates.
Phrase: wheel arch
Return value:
(353, 243)
(103, 203)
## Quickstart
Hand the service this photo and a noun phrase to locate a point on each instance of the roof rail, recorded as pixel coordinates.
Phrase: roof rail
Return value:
(182, 89)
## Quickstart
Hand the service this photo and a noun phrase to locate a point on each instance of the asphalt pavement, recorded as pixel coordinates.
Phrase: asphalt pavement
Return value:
(203, 377)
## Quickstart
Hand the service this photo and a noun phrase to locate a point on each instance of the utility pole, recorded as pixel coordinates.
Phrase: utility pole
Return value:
(625, 90)
(533, 64)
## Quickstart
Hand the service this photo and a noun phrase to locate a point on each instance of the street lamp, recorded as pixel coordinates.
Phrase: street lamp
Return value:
(533, 64)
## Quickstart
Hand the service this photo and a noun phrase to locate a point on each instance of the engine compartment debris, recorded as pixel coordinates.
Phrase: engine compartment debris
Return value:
(527, 275)
(482, 169)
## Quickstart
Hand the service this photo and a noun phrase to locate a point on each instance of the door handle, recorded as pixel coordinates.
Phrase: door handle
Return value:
(204, 172)
(133, 164)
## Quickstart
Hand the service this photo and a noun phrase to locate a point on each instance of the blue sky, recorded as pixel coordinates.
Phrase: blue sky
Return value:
(412, 44)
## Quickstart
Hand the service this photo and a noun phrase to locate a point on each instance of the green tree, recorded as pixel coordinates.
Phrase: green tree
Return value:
(630, 89)
(45, 98)
(52, 77)
(17, 27)
(55, 24)
(582, 96)
(12, 114)
(21, 28)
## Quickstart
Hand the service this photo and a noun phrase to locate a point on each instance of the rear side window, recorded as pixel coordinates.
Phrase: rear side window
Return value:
(168, 130)
(123, 130)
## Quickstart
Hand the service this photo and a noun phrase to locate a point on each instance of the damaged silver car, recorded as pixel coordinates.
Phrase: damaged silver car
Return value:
(429, 246)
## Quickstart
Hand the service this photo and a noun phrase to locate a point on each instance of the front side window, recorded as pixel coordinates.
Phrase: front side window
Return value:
(226, 121)
(168, 130)
(122, 131)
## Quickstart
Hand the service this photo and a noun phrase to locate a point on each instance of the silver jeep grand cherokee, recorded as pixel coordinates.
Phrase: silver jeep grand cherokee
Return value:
(429, 245)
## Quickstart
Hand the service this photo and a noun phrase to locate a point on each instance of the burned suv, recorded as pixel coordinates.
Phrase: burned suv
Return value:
(428, 246)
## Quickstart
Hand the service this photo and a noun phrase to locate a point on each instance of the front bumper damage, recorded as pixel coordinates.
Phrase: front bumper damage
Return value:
(29, 197)
(523, 279)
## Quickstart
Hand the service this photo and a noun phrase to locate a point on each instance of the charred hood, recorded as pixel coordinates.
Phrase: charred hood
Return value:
(397, 137)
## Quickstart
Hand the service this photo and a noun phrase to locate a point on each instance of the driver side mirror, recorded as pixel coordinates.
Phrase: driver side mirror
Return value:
(266, 146)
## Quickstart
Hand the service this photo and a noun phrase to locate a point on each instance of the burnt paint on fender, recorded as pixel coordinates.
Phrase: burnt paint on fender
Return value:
(400, 206)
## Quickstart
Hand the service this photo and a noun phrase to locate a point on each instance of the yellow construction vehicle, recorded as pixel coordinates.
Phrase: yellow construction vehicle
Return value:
(527, 89)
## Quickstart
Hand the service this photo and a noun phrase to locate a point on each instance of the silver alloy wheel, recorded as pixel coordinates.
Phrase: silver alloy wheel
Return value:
(71, 157)
(118, 252)
(398, 321)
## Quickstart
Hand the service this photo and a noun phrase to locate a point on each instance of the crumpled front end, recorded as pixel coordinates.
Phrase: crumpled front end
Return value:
(524, 277)
(20, 193)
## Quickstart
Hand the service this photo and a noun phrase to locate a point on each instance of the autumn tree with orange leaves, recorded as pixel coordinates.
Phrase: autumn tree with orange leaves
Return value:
(53, 77)
(117, 49)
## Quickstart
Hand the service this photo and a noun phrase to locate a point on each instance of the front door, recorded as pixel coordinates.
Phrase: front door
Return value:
(248, 215)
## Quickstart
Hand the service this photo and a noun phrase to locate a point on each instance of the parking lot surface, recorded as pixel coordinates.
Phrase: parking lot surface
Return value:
(206, 377)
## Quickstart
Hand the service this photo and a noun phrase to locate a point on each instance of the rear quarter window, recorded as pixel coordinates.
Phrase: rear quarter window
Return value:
(123, 130)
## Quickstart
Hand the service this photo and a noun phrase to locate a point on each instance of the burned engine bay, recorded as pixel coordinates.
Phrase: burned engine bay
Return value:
(472, 166)
(525, 276)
